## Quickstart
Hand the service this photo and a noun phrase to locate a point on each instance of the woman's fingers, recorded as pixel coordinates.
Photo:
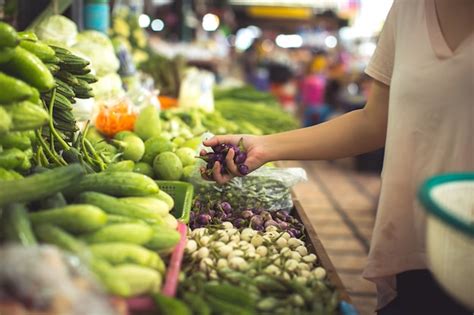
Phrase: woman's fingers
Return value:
(229, 161)
(218, 177)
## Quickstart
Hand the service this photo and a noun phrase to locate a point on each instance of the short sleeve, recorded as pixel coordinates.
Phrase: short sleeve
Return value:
(380, 66)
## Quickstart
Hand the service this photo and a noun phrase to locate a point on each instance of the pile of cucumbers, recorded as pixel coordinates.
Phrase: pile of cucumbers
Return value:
(117, 222)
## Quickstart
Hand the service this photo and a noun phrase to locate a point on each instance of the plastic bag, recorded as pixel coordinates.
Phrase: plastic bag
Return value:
(43, 278)
(196, 90)
(57, 29)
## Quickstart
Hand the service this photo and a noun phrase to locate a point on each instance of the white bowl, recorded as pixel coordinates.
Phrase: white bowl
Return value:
(449, 201)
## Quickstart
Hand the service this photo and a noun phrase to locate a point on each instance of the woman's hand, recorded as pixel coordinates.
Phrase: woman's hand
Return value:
(254, 147)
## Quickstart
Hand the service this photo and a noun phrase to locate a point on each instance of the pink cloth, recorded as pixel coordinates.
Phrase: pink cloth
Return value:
(312, 90)
(430, 131)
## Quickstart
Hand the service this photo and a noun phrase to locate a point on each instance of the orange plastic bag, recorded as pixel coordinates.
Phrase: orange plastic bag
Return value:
(116, 117)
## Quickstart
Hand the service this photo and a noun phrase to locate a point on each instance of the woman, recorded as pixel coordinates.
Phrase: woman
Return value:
(421, 109)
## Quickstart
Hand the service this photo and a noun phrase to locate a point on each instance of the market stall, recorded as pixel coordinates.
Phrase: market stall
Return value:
(102, 184)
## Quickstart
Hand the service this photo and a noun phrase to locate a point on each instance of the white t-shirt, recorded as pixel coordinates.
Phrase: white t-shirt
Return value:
(430, 131)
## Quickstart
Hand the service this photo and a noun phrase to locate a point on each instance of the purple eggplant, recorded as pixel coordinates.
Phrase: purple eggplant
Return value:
(240, 157)
(246, 214)
(226, 207)
(243, 169)
(270, 223)
(204, 219)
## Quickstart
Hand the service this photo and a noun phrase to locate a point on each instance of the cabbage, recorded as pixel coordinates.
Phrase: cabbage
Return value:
(108, 86)
(57, 29)
(99, 50)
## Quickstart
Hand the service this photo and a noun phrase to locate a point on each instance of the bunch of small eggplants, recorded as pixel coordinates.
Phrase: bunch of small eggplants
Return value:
(219, 153)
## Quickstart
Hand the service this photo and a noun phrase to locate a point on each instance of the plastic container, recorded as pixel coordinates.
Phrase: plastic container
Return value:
(96, 15)
(449, 201)
(182, 194)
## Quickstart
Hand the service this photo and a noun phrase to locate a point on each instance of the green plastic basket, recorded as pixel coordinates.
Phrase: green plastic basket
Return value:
(182, 193)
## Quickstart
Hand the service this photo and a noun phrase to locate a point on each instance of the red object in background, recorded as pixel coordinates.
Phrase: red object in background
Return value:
(172, 276)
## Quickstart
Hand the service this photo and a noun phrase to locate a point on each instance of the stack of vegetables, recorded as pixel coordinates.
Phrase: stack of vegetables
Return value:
(22, 77)
(116, 222)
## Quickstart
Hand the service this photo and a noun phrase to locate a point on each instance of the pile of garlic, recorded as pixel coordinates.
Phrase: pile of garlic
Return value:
(279, 253)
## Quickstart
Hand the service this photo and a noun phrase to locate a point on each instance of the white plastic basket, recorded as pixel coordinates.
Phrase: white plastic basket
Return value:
(449, 201)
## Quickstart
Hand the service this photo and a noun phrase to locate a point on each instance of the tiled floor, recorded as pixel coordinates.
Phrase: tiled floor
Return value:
(341, 204)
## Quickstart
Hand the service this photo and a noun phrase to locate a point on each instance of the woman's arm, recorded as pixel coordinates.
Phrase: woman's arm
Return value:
(354, 133)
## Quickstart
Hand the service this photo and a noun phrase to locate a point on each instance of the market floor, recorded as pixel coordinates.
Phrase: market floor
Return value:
(341, 204)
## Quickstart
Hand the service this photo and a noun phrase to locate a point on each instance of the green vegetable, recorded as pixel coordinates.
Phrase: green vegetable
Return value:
(116, 184)
(110, 279)
(94, 136)
(170, 221)
(13, 90)
(122, 134)
(132, 147)
(116, 206)
(143, 168)
(8, 35)
(163, 239)
(117, 218)
(74, 218)
(18, 140)
(149, 203)
(41, 185)
(134, 233)
(122, 166)
(163, 196)
(121, 252)
(6, 175)
(6, 53)
(170, 306)
(27, 35)
(148, 123)
(154, 146)
(55, 235)
(5, 121)
(30, 69)
(268, 304)
(168, 166)
(39, 49)
(54, 201)
(27, 116)
(187, 156)
(140, 279)
(221, 307)
(16, 225)
(11, 158)
(230, 294)
(196, 304)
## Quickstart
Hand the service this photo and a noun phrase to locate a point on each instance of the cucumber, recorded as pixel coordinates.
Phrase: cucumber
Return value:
(13, 90)
(35, 97)
(30, 69)
(135, 233)
(54, 201)
(221, 307)
(120, 253)
(8, 35)
(26, 116)
(17, 226)
(116, 218)
(110, 279)
(73, 218)
(39, 186)
(163, 196)
(18, 140)
(144, 168)
(120, 184)
(5, 121)
(116, 206)
(6, 53)
(55, 235)
(122, 166)
(67, 78)
(149, 203)
(11, 158)
(39, 49)
(171, 306)
(140, 279)
(164, 239)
